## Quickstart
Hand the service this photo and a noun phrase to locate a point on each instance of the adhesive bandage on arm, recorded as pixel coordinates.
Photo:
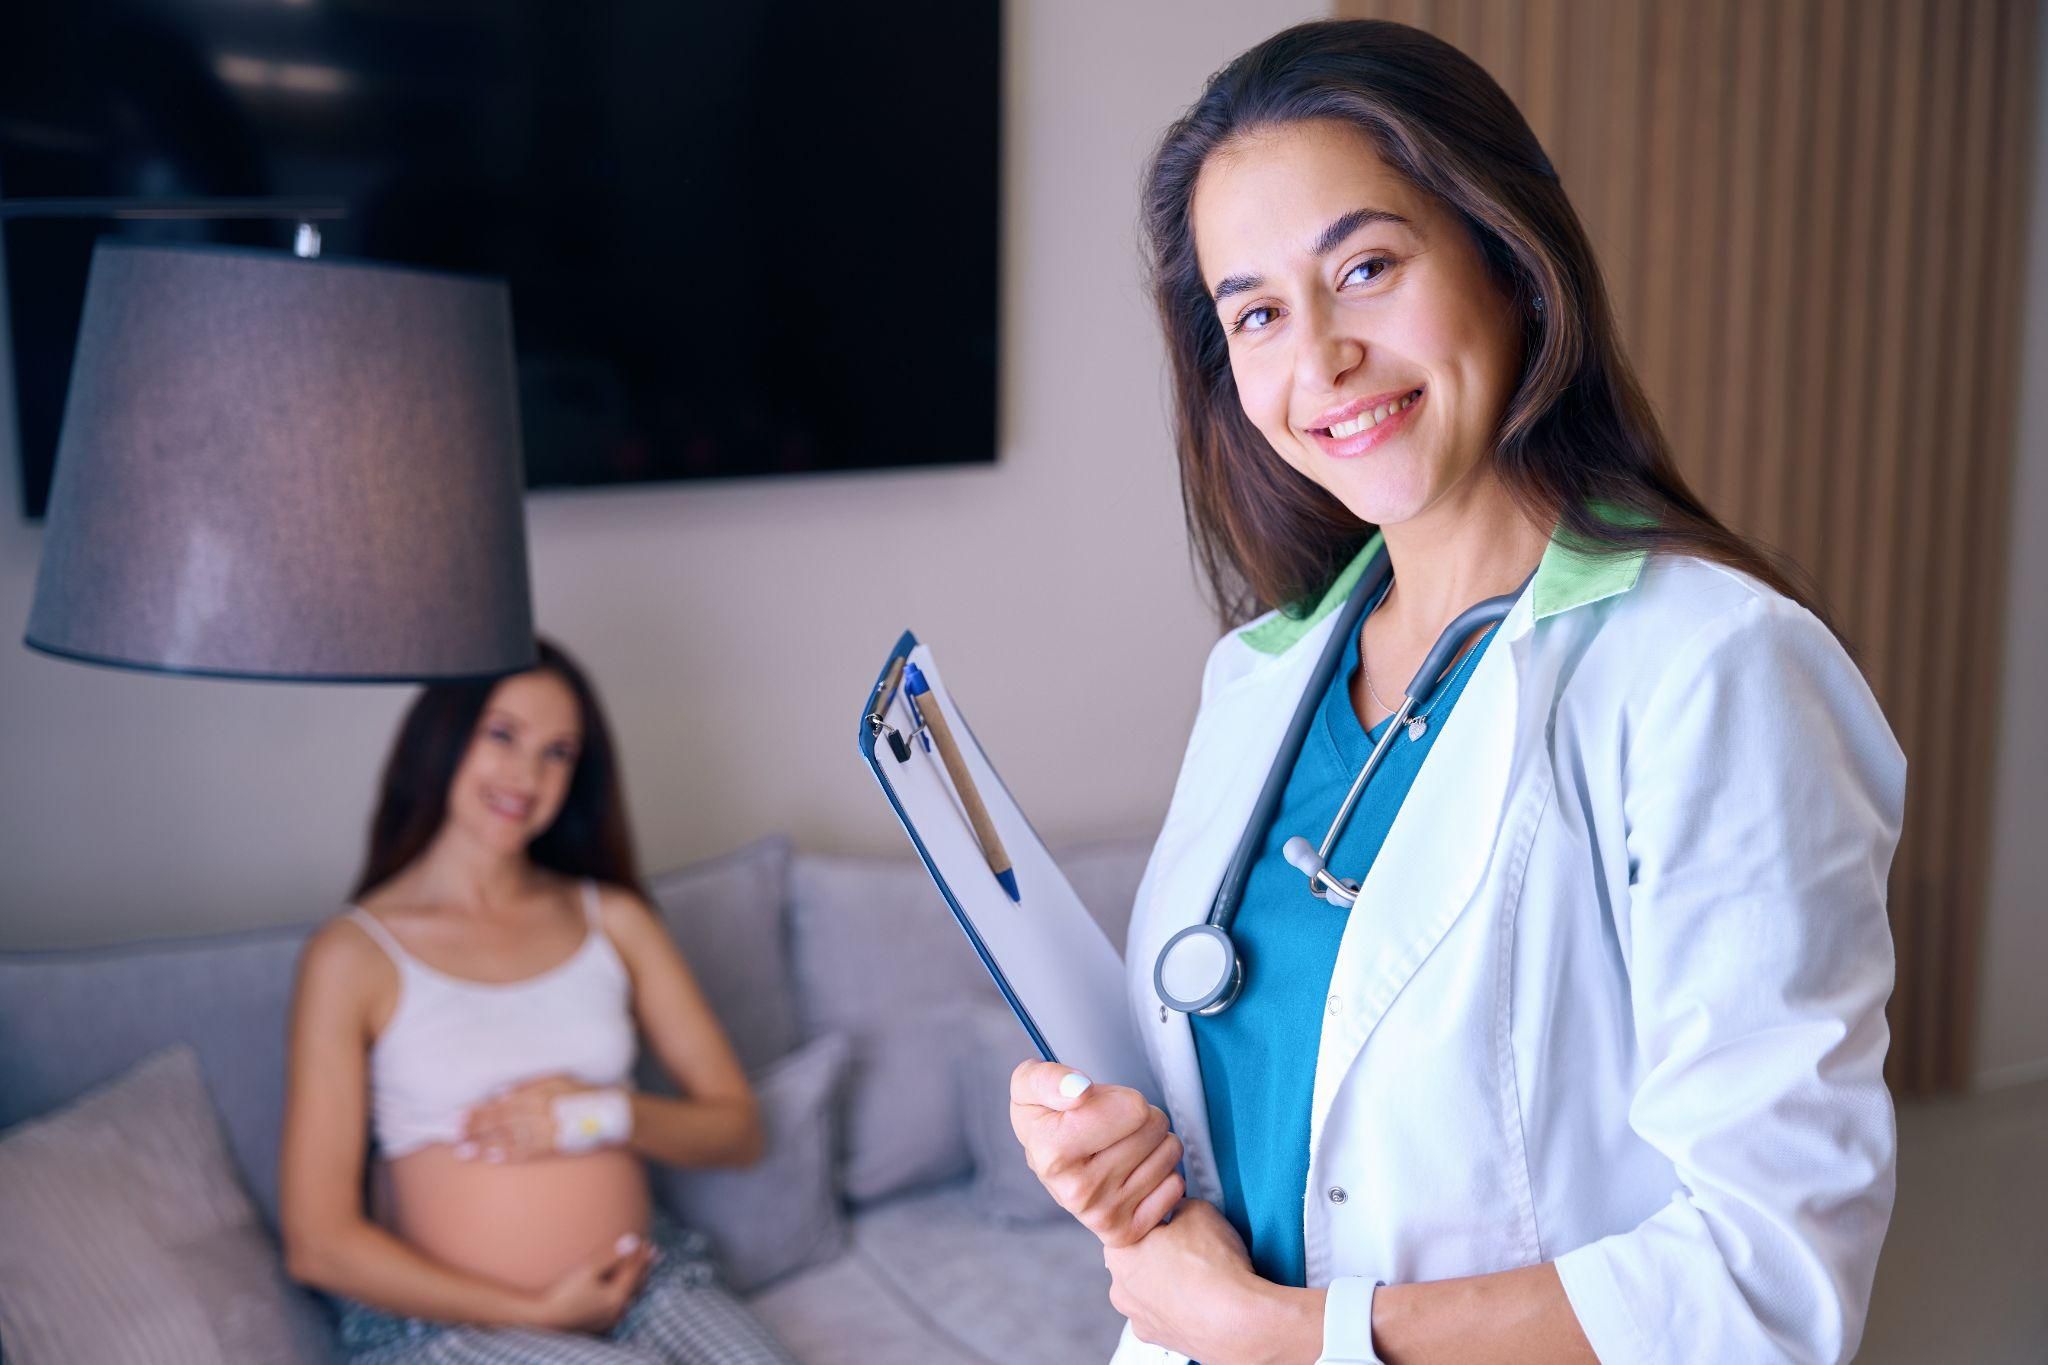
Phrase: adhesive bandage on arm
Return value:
(592, 1119)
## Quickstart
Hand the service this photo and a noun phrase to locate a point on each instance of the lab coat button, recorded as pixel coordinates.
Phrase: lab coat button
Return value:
(1335, 1003)
(1337, 1195)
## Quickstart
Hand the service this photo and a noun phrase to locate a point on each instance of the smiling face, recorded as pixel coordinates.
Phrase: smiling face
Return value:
(1368, 343)
(515, 774)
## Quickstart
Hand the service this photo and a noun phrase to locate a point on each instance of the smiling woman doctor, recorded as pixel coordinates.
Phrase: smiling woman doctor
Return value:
(1591, 1067)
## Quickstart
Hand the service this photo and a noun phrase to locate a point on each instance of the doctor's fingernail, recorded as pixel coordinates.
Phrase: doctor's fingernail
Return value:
(626, 1244)
(494, 1154)
(1073, 1083)
(465, 1150)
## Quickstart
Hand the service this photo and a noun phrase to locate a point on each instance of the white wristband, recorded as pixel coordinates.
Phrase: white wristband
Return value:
(592, 1119)
(1347, 1322)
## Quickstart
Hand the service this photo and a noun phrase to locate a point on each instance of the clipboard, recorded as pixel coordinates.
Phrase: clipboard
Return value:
(1058, 971)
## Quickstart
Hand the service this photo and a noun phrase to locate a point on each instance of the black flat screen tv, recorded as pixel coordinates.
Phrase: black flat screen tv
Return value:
(743, 237)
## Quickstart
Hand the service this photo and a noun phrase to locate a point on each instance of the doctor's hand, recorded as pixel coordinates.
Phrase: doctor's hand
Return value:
(1102, 1151)
(1189, 1286)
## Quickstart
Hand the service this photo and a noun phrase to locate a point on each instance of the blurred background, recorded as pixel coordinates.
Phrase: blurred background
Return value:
(1824, 224)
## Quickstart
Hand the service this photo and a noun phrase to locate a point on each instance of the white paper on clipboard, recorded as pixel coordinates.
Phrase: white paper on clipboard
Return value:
(1051, 960)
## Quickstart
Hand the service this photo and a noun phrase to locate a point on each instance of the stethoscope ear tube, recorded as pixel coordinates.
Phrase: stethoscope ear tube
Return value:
(1468, 623)
(1223, 909)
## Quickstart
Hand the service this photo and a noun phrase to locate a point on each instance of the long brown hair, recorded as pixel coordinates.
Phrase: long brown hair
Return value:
(589, 837)
(1578, 445)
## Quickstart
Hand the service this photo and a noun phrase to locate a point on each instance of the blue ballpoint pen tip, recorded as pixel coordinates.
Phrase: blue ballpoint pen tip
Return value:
(1009, 883)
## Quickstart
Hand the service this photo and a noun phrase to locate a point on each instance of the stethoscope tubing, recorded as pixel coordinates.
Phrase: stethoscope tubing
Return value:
(1223, 988)
(1475, 617)
(1377, 571)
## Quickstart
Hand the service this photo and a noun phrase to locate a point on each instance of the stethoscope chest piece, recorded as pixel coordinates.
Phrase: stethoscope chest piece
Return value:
(1198, 971)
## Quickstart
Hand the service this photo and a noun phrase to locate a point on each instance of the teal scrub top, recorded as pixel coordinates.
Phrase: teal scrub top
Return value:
(1258, 1057)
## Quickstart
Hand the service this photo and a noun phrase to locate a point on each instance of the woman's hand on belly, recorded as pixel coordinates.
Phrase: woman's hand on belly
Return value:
(519, 1124)
(1103, 1152)
(593, 1296)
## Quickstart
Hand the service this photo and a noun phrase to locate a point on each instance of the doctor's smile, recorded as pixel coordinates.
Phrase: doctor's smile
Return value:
(1359, 426)
(1512, 961)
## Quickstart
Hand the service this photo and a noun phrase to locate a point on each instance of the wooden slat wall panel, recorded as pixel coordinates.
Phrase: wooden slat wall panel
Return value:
(1809, 213)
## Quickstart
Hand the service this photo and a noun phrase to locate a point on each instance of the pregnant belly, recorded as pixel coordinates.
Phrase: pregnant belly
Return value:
(523, 1223)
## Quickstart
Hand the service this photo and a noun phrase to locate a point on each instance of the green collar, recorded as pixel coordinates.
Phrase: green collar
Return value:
(1565, 578)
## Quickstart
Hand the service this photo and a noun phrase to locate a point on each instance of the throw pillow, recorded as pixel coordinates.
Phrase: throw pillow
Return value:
(727, 916)
(903, 1122)
(1004, 1189)
(881, 959)
(124, 1234)
(781, 1214)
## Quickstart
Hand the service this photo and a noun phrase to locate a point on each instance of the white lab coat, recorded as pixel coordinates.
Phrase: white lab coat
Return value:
(1613, 993)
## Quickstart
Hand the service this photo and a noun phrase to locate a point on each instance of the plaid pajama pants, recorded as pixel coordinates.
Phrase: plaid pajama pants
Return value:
(681, 1316)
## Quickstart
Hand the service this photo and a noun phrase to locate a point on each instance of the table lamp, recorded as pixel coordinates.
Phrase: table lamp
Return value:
(283, 468)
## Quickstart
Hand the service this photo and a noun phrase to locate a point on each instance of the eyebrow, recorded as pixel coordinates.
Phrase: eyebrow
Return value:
(498, 713)
(1332, 237)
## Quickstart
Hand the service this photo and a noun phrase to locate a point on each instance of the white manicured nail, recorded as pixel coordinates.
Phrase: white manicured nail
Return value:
(629, 1243)
(465, 1151)
(1073, 1083)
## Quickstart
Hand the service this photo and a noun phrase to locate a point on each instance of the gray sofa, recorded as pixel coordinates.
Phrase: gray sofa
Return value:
(936, 1261)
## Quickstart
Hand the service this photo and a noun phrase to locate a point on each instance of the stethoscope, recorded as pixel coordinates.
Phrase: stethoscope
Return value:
(1199, 971)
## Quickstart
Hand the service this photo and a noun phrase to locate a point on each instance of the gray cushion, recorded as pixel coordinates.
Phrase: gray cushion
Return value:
(871, 936)
(1003, 1190)
(1032, 1295)
(781, 1214)
(73, 1019)
(880, 958)
(846, 1313)
(729, 917)
(903, 1124)
(124, 1235)
(1105, 874)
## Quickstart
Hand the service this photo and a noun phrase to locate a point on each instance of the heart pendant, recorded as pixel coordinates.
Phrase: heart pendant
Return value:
(1416, 728)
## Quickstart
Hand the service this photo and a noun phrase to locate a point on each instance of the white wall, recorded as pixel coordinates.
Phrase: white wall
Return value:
(2012, 1024)
(733, 629)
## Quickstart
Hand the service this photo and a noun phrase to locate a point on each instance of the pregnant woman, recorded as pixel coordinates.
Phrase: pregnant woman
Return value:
(464, 1036)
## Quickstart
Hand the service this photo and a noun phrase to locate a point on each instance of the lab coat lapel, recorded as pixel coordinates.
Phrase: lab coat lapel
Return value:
(1435, 854)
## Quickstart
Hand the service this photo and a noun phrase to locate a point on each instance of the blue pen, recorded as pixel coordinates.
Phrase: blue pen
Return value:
(917, 718)
(914, 685)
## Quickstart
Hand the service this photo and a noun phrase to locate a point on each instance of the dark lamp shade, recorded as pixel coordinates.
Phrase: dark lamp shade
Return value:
(290, 469)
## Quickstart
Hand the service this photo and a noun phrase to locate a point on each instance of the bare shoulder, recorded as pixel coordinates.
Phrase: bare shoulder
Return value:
(342, 971)
(628, 919)
(339, 947)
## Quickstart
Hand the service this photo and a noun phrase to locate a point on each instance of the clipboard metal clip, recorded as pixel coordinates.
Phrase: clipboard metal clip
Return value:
(899, 743)
(885, 692)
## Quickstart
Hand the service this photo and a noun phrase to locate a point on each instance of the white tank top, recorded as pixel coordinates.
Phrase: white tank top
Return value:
(452, 1043)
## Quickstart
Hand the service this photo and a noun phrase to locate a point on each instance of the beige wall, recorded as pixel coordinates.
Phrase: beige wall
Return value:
(733, 629)
(2012, 1025)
